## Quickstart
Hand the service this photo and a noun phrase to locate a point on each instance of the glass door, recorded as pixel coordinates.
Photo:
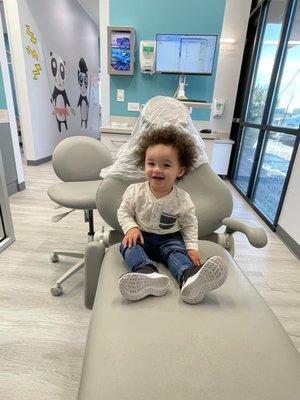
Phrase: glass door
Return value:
(269, 122)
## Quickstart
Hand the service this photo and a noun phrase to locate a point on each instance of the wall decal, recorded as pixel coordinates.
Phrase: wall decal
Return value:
(31, 51)
(36, 71)
(83, 81)
(29, 32)
(59, 98)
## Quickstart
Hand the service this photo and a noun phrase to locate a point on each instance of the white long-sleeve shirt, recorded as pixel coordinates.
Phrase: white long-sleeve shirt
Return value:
(172, 213)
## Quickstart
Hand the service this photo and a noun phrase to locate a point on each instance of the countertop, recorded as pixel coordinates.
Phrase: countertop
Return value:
(126, 130)
(4, 116)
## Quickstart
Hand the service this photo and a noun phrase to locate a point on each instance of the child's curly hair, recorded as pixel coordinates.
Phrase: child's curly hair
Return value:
(170, 136)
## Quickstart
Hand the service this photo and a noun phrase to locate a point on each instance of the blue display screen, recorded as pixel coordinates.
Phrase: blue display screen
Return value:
(185, 54)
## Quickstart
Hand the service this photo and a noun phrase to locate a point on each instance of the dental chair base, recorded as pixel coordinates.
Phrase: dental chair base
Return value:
(57, 289)
(229, 347)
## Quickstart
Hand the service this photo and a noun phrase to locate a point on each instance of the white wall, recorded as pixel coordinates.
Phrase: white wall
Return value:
(289, 218)
(16, 48)
(10, 107)
(104, 76)
(235, 24)
(61, 27)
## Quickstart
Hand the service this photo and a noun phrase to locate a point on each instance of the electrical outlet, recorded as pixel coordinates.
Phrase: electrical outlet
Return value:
(133, 107)
(120, 94)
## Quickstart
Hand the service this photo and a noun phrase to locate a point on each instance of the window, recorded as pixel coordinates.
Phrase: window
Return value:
(286, 110)
(272, 172)
(265, 62)
(267, 125)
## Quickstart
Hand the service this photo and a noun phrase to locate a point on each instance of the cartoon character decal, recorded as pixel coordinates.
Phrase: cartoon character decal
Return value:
(59, 99)
(83, 81)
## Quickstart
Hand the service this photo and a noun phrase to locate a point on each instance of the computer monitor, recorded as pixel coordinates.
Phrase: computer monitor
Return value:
(185, 54)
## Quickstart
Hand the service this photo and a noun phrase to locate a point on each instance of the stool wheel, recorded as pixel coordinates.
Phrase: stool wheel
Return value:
(56, 290)
(54, 257)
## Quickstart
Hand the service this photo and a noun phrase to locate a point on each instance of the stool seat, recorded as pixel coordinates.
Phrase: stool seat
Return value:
(77, 195)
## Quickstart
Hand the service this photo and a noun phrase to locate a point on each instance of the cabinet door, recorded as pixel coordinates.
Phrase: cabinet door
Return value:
(220, 157)
(114, 141)
(209, 146)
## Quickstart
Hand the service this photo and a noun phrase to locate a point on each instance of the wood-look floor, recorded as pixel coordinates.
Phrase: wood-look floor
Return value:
(42, 338)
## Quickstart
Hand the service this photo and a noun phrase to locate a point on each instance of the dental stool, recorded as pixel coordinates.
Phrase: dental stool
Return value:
(77, 161)
(229, 347)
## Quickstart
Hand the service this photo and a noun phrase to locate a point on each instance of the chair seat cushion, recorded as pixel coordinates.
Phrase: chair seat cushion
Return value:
(229, 347)
(78, 195)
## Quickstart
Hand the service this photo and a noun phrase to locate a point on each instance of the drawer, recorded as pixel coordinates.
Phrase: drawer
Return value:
(114, 141)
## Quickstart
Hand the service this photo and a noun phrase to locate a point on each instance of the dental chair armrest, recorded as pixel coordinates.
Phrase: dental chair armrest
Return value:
(94, 253)
(257, 237)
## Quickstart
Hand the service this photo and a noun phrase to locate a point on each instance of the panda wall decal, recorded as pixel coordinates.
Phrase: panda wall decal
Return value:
(83, 82)
(59, 98)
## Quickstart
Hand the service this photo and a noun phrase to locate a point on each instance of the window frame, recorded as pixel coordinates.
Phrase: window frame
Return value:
(260, 11)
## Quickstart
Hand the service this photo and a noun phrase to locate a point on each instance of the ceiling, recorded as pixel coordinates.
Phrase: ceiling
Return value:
(91, 7)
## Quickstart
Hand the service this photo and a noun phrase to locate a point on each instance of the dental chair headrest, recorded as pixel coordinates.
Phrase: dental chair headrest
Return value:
(160, 111)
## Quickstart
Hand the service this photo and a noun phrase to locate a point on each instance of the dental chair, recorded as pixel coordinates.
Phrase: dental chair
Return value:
(229, 347)
(77, 161)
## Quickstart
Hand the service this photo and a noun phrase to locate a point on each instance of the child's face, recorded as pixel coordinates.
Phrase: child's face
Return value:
(162, 167)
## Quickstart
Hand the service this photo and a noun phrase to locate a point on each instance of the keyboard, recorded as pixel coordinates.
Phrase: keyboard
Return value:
(195, 101)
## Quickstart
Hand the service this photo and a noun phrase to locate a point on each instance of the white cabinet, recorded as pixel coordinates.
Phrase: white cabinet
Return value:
(113, 141)
(218, 150)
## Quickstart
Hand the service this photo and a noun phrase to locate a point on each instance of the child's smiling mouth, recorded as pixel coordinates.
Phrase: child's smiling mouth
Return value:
(157, 177)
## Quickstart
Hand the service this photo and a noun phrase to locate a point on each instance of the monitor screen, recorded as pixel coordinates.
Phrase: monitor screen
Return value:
(185, 54)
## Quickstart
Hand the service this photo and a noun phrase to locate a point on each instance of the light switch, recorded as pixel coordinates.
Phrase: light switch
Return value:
(120, 94)
(133, 107)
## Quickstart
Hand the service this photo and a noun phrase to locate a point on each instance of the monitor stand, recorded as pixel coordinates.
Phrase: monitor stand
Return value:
(180, 93)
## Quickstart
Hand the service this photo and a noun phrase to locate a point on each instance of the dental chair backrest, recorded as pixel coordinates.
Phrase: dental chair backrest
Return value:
(80, 158)
(211, 197)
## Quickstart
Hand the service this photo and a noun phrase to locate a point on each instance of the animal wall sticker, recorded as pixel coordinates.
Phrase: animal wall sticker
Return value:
(83, 81)
(59, 99)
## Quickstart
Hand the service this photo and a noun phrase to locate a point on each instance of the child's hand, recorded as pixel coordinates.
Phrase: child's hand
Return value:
(195, 257)
(132, 237)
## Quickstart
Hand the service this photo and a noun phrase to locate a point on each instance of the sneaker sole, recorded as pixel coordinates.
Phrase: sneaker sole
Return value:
(211, 276)
(136, 286)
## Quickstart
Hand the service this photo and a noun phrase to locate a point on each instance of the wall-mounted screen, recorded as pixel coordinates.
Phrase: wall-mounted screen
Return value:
(121, 42)
(185, 54)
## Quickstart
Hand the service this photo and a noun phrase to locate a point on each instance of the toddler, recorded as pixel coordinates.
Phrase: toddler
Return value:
(159, 223)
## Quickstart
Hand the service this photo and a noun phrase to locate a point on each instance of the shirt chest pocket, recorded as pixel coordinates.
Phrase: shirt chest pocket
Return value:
(167, 221)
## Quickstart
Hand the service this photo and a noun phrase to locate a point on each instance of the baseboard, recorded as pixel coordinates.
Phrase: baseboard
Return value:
(12, 188)
(21, 186)
(39, 161)
(288, 240)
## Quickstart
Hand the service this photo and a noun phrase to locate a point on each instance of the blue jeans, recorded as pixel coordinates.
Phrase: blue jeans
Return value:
(168, 249)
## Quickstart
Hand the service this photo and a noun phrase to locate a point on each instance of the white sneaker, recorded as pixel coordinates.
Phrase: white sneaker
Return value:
(136, 286)
(212, 275)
